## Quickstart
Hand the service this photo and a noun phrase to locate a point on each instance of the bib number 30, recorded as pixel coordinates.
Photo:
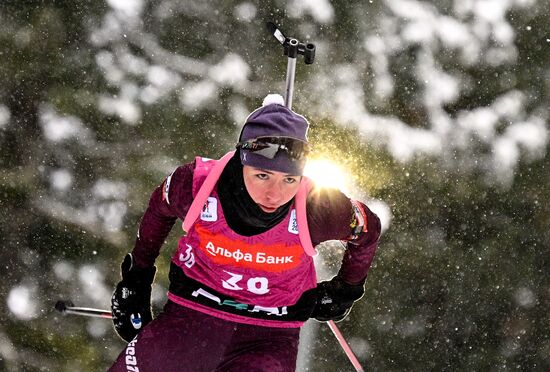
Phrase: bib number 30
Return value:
(257, 285)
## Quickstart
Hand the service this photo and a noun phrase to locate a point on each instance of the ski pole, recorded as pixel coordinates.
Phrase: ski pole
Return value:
(67, 307)
(347, 349)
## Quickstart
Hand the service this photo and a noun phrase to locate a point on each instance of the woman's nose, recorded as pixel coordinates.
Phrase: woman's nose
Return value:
(273, 192)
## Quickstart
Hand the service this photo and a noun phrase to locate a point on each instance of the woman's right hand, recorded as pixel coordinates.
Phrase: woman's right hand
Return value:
(131, 300)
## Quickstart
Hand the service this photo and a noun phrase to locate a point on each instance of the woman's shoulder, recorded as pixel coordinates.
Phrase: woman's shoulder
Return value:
(182, 176)
(331, 215)
(178, 187)
(329, 212)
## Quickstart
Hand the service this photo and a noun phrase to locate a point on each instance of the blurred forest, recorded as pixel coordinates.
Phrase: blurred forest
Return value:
(437, 109)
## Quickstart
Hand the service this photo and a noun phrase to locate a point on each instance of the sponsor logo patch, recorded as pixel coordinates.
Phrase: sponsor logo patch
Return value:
(277, 311)
(210, 210)
(130, 358)
(293, 223)
(273, 257)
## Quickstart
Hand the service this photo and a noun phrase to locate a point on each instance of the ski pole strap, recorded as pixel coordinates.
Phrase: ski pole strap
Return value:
(204, 192)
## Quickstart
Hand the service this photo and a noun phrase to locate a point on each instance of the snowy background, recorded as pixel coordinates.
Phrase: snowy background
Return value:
(437, 111)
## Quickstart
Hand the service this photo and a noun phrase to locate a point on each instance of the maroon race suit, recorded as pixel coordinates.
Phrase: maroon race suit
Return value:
(192, 338)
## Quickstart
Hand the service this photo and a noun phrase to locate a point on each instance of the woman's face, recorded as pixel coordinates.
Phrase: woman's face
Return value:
(270, 189)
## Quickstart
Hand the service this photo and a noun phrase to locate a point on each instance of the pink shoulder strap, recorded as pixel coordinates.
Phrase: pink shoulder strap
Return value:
(208, 185)
(204, 192)
(301, 215)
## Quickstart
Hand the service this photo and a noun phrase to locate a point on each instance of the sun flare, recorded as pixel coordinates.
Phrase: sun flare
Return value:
(326, 173)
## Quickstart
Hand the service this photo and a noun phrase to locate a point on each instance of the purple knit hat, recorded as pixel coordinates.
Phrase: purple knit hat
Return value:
(273, 119)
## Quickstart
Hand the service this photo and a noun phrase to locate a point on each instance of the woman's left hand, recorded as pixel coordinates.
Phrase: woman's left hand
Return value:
(335, 298)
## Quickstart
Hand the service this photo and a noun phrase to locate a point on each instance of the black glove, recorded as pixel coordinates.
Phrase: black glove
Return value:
(131, 301)
(335, 299)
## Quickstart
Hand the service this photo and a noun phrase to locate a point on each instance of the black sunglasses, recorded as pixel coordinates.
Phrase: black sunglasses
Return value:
(269, 147)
